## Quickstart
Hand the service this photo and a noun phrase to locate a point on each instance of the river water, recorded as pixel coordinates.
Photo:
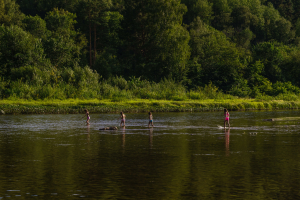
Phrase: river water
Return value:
(185, 156)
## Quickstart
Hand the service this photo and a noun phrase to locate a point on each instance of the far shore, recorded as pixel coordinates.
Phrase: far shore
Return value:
(73, 106)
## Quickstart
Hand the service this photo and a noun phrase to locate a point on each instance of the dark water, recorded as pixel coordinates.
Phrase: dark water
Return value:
(185, 156)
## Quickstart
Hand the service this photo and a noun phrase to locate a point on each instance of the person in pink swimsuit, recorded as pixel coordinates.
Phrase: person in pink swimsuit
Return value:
(227, 115)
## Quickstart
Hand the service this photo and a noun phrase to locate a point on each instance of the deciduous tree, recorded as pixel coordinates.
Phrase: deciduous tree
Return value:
(156, 44)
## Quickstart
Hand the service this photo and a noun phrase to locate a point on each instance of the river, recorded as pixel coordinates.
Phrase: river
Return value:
(185, 156)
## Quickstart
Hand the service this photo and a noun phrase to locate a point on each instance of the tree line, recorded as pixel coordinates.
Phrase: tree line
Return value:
(74, 48)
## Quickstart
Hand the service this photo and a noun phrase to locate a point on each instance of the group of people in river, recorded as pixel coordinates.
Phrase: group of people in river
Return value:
(123, 116)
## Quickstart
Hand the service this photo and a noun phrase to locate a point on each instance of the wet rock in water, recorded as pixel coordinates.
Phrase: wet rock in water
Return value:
(109, 128)
(269, 120)
(2, 112)
(283, 119)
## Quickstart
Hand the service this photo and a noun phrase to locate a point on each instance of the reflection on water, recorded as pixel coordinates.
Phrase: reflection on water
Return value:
(123, 137)
(151, 137)
(185, 156)
(227, 140)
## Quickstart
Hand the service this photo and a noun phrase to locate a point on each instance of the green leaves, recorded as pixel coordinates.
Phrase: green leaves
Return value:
(240, 46)
(219, 59)
(272, 55)
(36, 26)
(19, 48)
(61, 22)
(64, 45)
(10, 13)
(198, 8)
(156, 44)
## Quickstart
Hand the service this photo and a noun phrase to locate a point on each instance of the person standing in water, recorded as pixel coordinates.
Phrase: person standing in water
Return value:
(87, 114)
(122, 119)
(150, 120)
(227, 115)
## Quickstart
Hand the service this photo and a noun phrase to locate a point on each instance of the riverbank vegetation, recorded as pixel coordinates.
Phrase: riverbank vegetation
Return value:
(161, 51)
(74, 106)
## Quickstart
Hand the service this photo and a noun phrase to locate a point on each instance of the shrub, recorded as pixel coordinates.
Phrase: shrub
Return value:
(240, 88)
(197, 95)
(3, 85)
(287, 97)
(119, 82)
(284, 88)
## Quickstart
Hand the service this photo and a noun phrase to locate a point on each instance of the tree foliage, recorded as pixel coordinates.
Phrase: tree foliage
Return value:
(10, 13)
(156, 45)
(19, 48)
(64, 44)
(242, 47)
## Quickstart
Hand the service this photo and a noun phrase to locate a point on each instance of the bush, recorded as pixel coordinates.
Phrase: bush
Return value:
(107, 91)
(284, 88)
(197, 95)
(119, 82)
(3, 85)
(19, 48)
(287, 97)
(240, 88)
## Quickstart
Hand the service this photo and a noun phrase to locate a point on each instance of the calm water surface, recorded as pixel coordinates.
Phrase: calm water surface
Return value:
(185, 156)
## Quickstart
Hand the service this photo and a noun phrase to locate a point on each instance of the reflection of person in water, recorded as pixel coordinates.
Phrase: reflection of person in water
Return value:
(227, 136)
(151, 137)
(88, 133)
(123, 137)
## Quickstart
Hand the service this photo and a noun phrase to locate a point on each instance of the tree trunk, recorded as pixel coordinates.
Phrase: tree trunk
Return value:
(95, 41)
(90, 26)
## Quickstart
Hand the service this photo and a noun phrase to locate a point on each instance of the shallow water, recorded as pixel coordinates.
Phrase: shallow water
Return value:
(185, 156)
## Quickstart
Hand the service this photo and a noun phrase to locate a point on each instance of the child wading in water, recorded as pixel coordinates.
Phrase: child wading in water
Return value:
(226, 114)
(150, 120)
(122, 119)
(87, 114)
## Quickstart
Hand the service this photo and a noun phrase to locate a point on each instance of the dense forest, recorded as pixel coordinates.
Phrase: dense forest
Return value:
(58, 49)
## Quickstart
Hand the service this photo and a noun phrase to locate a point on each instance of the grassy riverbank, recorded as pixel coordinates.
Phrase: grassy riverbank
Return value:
(139, 105)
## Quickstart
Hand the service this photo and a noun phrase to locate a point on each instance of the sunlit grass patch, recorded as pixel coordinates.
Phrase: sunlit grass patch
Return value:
(13, 106)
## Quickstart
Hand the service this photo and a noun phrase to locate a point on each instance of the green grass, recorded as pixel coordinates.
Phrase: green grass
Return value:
(139, 105)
